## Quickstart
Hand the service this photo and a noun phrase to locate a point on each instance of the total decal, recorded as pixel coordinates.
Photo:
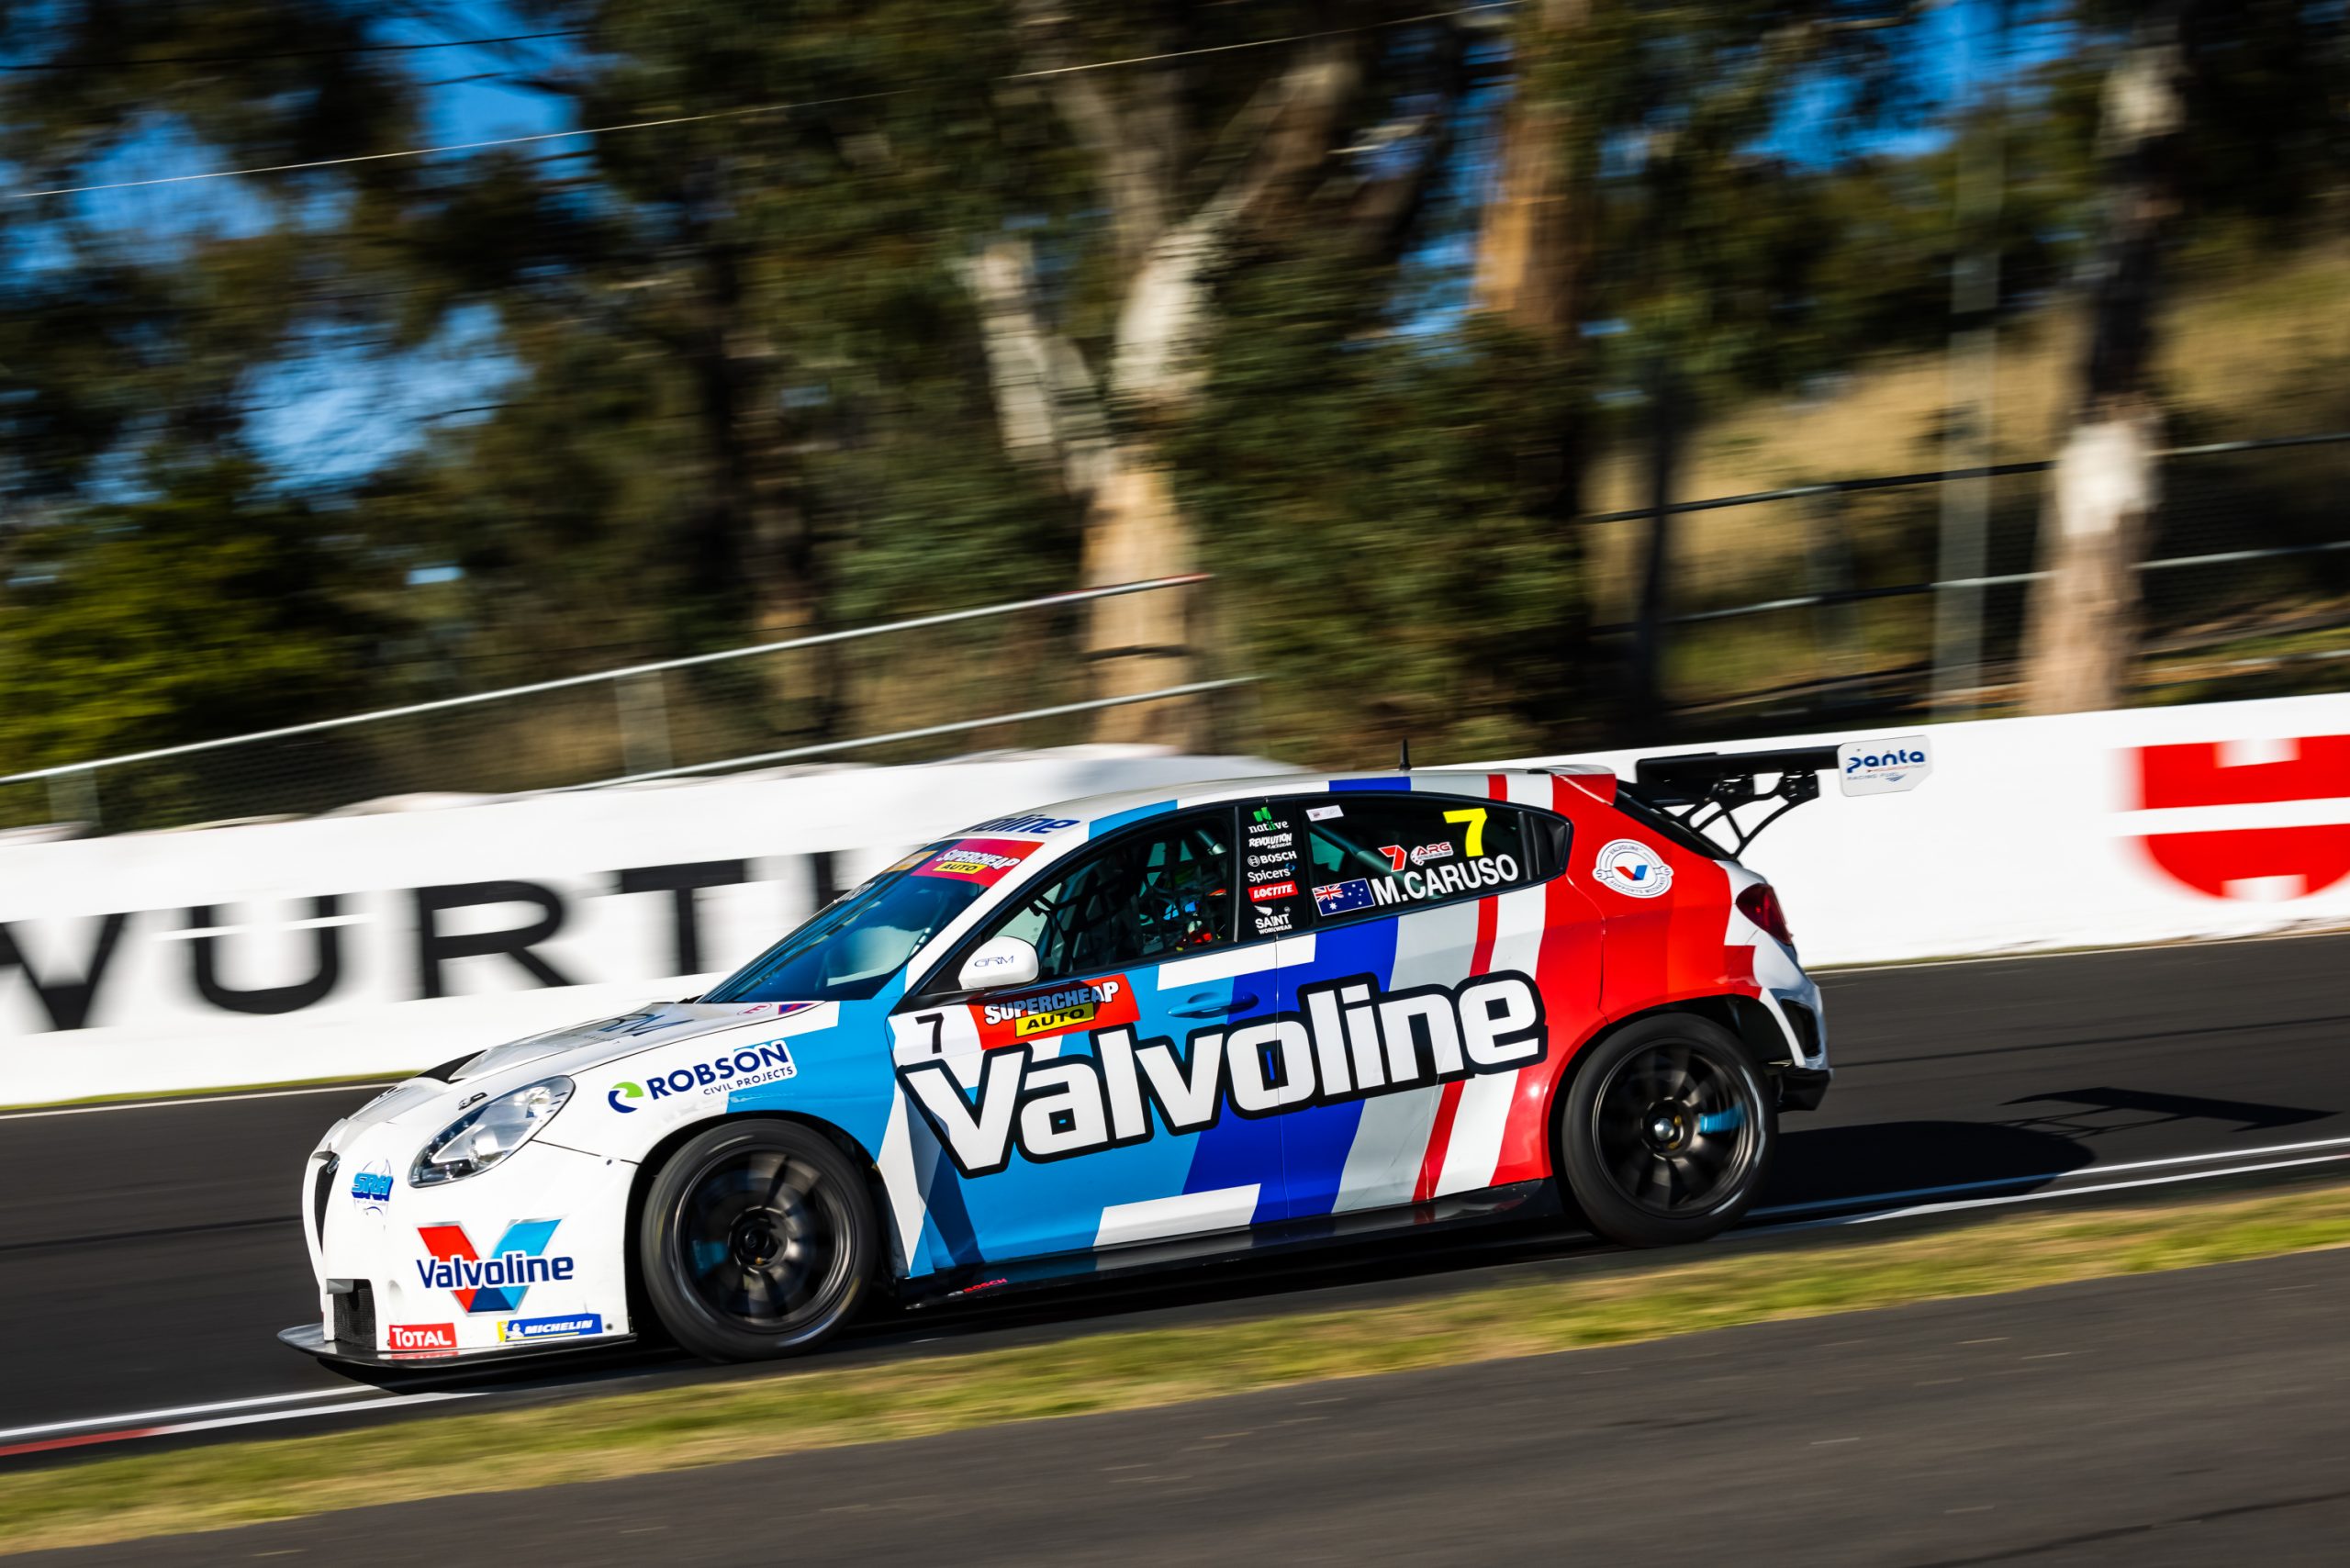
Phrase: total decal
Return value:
(421, 1338)
(1347, 1041)
(1632, 868)
(769, 1062)
(1041, 1014)
(497, 1283)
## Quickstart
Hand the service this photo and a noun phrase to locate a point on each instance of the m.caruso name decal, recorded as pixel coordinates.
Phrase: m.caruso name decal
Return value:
(1347, 1041)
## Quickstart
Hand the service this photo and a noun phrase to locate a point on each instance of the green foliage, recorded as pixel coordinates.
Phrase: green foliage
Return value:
(1374, 507)
(214, 610)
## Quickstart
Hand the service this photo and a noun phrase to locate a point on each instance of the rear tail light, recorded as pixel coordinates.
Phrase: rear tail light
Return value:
(1760, 905)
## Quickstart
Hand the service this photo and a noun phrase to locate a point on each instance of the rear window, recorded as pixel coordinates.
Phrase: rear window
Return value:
(1671, 829)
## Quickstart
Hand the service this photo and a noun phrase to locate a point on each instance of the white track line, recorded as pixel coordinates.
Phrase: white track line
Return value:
(2035, 954)
(1864, 1201)
(149, 1417)
(193, 1100)
(177, 1428)
(1875, 1215)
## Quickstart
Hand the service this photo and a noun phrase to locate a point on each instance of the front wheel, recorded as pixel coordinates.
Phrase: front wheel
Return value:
(1667, 1132)
(757, 1239)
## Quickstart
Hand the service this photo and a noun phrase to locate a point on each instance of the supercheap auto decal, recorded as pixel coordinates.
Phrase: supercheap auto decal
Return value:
(1056, 1010)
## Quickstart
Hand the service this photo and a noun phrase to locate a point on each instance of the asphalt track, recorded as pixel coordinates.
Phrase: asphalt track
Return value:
(2004, 1429)
(148, 1256)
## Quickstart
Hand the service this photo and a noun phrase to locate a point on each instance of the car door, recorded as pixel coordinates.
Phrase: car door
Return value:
(1460, 966)
(1086, 1111)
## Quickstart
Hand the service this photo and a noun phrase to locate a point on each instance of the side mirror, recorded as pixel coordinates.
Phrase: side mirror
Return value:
(999, 961)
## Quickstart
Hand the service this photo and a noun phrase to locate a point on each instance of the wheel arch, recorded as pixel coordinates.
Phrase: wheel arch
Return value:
(1743, 1016)
(640, 1309)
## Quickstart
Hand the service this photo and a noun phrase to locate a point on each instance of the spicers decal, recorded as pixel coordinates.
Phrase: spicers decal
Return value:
(1348, 1042)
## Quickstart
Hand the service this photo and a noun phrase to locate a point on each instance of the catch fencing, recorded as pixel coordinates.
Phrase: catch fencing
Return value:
(1832, 614)
(995, 676)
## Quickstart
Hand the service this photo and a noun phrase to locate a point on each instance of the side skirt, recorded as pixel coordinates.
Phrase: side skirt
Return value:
(1519, 1201)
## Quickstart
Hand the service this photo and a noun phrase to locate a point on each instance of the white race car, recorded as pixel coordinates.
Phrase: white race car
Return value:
(1109, 1034)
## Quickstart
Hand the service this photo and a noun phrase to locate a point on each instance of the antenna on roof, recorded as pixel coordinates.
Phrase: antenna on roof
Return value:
(1404, 755)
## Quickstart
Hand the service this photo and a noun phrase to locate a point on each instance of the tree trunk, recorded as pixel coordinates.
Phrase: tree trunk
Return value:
(2082, 632)
(1528, 249)
(1134, 527)
(1645, 707)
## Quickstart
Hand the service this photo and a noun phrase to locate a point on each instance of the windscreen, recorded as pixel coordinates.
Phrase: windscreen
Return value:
(849, 950)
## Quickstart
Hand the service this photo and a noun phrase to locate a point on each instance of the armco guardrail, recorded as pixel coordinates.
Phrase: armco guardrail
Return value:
(355, 945)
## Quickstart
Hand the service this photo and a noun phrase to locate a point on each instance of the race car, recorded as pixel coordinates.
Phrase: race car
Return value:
(1111, 1035)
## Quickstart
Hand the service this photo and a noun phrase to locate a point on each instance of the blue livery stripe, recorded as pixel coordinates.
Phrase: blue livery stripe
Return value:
(1318, 1138)
(1117, 820)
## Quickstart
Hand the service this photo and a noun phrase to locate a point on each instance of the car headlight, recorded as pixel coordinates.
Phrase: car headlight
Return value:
(489, 1132)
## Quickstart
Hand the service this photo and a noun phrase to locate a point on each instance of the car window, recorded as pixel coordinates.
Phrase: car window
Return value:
(848, 949)
(1272, 842)
(1153, 894)
(1374, 854)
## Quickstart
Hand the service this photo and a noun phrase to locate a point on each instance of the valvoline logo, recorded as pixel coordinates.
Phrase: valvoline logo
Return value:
(1632, 868)
(2283, 861)
(497, 1283)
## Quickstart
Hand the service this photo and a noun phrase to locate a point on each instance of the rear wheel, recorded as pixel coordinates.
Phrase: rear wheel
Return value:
(757, 1239)
(1666, 1134)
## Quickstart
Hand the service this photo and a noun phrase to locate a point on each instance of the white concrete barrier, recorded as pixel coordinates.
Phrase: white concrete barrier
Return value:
(2145, 825)
(346, 945)
(357, 945)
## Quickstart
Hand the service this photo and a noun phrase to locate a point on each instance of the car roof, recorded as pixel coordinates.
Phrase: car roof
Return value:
(1087, 815)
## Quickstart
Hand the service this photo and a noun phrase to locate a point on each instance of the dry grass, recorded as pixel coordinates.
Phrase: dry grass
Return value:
(2253, 356)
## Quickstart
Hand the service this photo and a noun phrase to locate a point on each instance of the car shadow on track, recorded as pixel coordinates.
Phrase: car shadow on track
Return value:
(1827, 1165)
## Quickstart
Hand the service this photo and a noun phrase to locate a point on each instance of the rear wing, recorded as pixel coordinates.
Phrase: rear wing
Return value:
(1704, 789)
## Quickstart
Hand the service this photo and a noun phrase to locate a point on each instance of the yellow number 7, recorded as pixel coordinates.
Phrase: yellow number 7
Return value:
(1475, 817)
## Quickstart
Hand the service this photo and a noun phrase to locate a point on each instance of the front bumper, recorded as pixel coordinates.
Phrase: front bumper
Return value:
(525, 1258)
(311, 1340)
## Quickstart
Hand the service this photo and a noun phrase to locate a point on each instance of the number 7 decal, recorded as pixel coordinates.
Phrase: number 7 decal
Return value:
(1475, 817)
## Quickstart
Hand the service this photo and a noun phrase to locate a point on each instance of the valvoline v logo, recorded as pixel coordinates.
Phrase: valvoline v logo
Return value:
(2287, 860)
(495, 1283)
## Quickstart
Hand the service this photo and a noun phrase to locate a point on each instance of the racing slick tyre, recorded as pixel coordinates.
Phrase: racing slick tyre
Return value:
(1666, 1133)
(757, 1239)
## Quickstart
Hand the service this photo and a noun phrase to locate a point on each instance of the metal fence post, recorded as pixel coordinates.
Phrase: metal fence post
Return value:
(74, 796)
(644, 722)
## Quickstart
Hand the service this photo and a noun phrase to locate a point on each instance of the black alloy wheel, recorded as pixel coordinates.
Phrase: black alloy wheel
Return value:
(1667, 1132)
(757, 1239)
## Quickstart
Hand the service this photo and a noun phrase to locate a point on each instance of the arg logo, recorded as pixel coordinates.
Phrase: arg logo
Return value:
(2219, 854)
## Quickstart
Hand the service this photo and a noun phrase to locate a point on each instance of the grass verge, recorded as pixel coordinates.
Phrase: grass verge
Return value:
(674, 1428)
